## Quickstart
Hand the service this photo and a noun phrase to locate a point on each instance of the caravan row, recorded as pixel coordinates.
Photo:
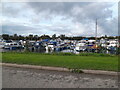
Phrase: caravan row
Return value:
(59, 45)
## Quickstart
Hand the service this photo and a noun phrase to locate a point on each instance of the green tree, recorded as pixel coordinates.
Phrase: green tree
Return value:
(54, 36)
(30, 37)
(45, 37)
(5, 36)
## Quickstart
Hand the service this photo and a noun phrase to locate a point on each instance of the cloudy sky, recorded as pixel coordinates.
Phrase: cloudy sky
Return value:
(69, 18)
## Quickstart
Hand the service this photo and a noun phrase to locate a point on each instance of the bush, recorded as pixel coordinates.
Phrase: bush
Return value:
(94, 54)
(75, 70)
(65, 54)
(62, 54)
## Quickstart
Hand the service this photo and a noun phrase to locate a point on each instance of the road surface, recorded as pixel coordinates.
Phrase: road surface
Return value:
(31, 78)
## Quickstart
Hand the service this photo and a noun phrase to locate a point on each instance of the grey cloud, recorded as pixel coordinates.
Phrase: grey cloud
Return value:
(9, 10)
(80, 12)
(110, 26)
(15, 9)
(19, 29)
(89, 10)
(53, 7)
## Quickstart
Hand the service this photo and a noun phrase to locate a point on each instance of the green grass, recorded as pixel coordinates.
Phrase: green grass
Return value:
(81, 61)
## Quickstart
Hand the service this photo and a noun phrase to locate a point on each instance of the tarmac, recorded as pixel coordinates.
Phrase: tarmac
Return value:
(15, 77)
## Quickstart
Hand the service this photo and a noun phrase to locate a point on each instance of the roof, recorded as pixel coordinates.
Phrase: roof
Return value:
(45, 40)
(85, 39)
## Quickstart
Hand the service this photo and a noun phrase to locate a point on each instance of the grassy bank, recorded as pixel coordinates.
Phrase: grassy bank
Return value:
(81, 61)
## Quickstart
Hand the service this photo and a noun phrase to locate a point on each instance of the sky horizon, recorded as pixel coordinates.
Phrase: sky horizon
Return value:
(69, 18)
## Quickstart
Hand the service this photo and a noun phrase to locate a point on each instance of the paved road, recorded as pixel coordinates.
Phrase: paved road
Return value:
(31, 78)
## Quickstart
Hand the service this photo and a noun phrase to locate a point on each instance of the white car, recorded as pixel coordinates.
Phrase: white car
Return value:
(80, 47)
(113, 44)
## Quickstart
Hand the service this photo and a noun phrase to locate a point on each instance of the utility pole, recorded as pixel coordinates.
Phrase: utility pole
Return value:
(96, 34)
(96, 30)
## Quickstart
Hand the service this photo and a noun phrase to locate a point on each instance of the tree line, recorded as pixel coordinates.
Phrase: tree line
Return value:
(37, 37)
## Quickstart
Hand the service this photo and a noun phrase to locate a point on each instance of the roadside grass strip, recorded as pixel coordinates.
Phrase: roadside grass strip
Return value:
(70, 61)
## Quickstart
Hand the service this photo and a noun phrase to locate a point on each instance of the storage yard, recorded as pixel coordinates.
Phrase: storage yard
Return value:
(107, 46)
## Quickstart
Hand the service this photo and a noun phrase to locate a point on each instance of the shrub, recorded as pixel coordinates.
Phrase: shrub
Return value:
(94, 54)
(75, 70)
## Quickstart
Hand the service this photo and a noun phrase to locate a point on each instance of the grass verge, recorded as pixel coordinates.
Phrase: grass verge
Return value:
(81, 61)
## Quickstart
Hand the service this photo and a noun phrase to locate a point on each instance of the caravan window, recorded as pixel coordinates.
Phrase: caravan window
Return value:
(8, 41)
(93, 42)
(108, 43)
